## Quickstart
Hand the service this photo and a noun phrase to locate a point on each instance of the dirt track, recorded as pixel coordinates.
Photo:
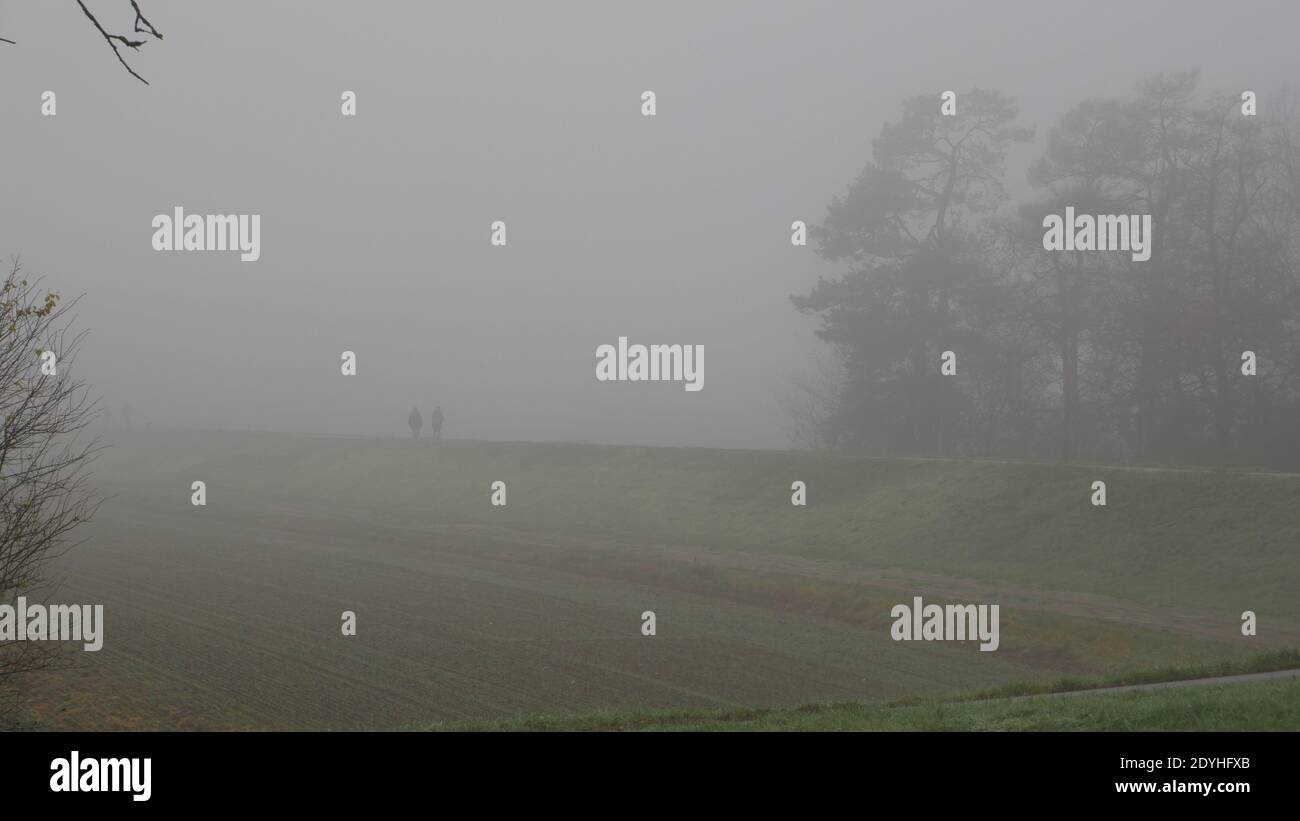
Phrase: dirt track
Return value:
(1247, 678)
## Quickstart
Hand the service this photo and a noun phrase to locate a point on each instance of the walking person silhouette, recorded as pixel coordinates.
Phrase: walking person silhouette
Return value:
(435, 420)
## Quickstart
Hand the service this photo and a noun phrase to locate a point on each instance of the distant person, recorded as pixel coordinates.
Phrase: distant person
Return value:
(416, 421)
(126, 416)
(435, 422)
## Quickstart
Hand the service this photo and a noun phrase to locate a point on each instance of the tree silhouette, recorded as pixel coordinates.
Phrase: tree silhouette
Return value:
(1071, 354)
(908, 228)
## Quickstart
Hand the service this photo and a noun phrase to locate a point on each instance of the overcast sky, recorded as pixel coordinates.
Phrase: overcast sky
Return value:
(375, 229)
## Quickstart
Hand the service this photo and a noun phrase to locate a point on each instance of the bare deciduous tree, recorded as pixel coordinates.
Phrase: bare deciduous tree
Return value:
(44, 450)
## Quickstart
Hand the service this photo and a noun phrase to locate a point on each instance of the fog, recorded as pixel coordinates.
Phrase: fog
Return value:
(671, 229)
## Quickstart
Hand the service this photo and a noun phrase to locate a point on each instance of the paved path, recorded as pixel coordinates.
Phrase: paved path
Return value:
(1247, 678)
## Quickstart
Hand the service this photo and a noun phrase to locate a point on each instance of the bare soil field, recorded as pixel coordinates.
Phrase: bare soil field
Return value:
(228, 617)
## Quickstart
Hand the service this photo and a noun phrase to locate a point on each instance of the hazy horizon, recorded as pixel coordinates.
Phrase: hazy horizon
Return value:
(671, 229)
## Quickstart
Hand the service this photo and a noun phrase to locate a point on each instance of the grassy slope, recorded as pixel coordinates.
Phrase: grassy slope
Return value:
(1273, 705)
(1209, 542)
(1220, 541)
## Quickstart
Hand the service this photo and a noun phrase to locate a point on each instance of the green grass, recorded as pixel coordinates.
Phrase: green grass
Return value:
(1202, 539)
(1147, 589)
(1288, 659)
(1269, 705)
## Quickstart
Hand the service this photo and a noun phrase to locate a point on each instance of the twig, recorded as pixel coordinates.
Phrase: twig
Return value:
(133, 44)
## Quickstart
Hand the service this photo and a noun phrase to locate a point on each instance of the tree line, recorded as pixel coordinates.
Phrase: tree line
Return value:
(1073, 355)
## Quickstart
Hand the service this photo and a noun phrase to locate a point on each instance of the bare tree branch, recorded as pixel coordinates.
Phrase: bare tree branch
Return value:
(140, 18)
(44, 450)
(114, 39)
